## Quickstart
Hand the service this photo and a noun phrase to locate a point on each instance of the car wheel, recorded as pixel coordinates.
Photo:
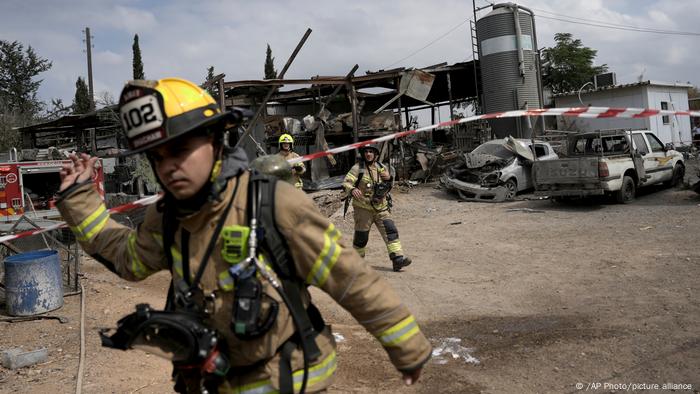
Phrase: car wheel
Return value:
(677, 177)
(511, 189)
(627, 191)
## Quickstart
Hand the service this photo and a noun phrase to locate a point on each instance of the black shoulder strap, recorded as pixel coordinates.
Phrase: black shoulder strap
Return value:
(360, 173)
(274, 243)
(170, 224)
(271, 239)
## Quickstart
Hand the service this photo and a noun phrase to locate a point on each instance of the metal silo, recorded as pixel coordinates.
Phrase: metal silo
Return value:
(510, 76)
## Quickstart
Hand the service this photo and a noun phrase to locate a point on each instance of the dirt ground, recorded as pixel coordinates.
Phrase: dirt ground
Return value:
(530, 296)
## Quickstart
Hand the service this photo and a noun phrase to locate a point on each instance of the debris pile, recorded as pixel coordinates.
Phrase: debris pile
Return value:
(430, 162)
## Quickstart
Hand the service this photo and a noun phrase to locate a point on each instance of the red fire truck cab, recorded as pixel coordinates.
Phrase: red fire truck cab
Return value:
(31, 186)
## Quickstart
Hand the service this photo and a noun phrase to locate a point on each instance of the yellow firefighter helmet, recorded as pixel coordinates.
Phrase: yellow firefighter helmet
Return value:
(285, 139)
(155, 112)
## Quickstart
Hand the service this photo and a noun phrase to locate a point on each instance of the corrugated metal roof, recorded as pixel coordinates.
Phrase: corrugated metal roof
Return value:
(627, 85)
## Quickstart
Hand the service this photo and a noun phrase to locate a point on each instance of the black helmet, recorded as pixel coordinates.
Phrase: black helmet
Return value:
(373, 145)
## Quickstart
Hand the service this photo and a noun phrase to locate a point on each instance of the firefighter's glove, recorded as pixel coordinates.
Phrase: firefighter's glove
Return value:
(80, 169)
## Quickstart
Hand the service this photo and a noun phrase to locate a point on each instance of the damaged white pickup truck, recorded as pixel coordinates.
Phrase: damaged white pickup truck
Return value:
(614, 162)
(496, 170)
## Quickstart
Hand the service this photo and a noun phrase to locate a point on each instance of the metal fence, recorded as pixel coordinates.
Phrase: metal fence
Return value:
(61, 240)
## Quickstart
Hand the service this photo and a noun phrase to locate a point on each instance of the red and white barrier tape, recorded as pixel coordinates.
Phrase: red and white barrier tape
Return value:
(122, 208)
(582, 112)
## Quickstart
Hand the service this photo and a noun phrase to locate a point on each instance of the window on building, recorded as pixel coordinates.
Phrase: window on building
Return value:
(16, 203)
(665, 118)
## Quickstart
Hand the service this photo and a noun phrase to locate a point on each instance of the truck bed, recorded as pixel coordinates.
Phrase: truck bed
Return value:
(574, 176)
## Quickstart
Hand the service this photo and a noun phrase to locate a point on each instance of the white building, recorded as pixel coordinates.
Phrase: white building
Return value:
(648, 94)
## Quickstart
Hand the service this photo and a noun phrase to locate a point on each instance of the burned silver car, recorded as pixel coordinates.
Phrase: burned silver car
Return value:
(496, 170)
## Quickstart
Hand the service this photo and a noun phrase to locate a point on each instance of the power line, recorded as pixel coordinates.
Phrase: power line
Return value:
(650, 29)
(430, 43)
(636, 29)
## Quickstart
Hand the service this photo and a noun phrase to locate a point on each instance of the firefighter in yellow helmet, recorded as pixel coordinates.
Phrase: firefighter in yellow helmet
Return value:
(285, 146)
(367, 183)
(239, 316)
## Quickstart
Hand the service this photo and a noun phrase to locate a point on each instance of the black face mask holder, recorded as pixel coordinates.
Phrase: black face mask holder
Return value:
(182, 335)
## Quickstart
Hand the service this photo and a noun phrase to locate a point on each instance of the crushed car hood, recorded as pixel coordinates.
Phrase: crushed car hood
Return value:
(519, 148)
(478, 160)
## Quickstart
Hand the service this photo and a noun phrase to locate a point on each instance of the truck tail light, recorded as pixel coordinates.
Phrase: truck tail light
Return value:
(603, 171)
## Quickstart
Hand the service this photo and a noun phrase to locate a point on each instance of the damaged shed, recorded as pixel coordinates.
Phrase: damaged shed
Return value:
(329, 111)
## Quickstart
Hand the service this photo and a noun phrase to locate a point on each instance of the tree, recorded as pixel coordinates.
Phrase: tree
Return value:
(137, 63)
(212, 88)
(18, 67)
(19, 105)
(568, 65)
(56, 110)
(270, 72)
(81, 101)
(104, 99)
(693, 92)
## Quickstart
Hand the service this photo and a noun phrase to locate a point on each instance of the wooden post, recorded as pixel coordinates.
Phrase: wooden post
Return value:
(355, 115)
(403, 157)
(273, 89)
(449, 95)
(222, 96)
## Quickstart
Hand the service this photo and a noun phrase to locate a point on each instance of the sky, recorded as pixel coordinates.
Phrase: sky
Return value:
(182, 38)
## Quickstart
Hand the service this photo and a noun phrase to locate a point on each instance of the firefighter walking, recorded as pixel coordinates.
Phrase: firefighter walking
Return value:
(239, 316)
(366, 183)
(285, 145)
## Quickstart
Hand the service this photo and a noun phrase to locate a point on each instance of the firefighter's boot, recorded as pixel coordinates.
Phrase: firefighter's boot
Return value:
(399, 262)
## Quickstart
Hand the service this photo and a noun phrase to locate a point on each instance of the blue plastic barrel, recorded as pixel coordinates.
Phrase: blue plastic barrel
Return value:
(33, 283)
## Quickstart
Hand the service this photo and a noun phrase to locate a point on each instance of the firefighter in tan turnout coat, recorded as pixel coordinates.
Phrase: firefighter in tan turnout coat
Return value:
(180, 127)
(366, 183)
(285, 145)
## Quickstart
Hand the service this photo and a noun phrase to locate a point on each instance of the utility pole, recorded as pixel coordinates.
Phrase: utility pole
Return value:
(89, 65)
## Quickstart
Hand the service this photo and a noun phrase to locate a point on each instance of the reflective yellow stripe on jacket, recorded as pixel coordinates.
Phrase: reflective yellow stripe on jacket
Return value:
(318, 374)
(327, 258)
(92, 225)
(139, 269)
(349, 181)
(177, 256)
(263, 387)
(399, 332)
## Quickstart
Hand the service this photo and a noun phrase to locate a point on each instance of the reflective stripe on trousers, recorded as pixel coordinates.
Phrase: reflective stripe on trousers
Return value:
(318, 374)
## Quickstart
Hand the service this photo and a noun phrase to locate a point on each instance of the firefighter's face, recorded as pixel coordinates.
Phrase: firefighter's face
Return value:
(184, 165)
(286, 146)
(369, 155)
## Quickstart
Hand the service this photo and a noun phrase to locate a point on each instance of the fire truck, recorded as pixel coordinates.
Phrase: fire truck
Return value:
(30, 187)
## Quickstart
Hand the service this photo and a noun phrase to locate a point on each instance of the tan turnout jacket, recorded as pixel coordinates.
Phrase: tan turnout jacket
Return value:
(321, 258)
(371, 175)
(296, 175)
